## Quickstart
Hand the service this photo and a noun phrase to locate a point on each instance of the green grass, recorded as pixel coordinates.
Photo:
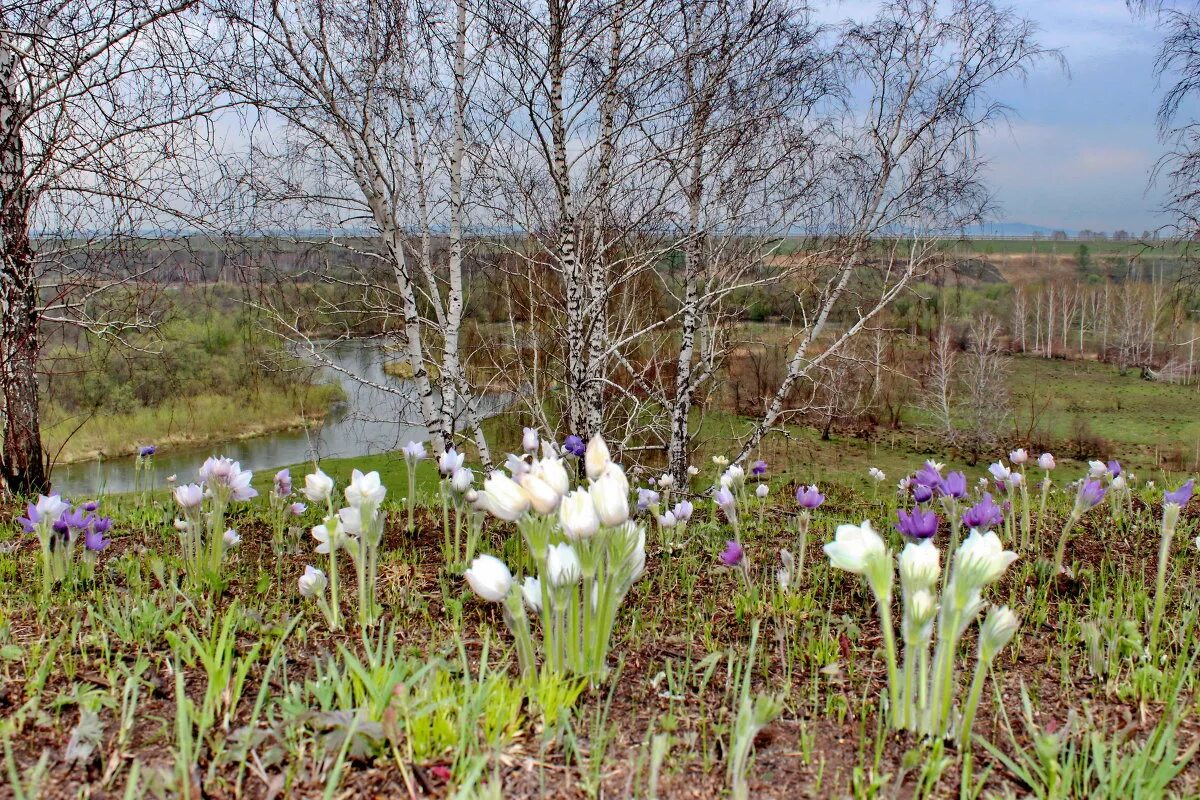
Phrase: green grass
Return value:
(188, 420)
(1136, 415)
(144, 678)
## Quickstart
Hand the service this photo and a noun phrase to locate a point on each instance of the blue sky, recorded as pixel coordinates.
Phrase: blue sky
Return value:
(1080, 145)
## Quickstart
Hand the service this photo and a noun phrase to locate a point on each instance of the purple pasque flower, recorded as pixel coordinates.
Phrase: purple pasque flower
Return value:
(728, 503)
(930, 474)
(1114, 468)
(30, 521)
(646, 498)
(954, 485)
(984, 514)
(922, 493)
(733, 554)
(1090, 494)
(94, 539)
(575, 446)
(682, 511)
(283, 483)
(297, 509)
(76, 519)
(1182, 495)
(809, 497)
(89, 506)
(147, 450)
(758, 468)
(917, 524)
(46, 509)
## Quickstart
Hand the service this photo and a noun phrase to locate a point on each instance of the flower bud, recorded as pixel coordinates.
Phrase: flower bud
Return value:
(996, 631)
(920, 566)
(542, 495)
(318, 487)
(489, 578)
(610, 496)
(312, 582)
(531, 590)
(596, 459)
(505, 498)
(562, 565)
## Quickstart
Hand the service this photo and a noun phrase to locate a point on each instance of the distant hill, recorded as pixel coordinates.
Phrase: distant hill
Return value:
(1012, 229)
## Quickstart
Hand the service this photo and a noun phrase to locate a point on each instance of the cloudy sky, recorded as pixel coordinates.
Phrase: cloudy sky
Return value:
(1080, 145)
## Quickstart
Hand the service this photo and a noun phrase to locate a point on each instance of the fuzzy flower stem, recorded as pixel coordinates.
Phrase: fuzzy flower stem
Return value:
(335, 619)
(1025, 521)
(518, 624)
(1170, 519)
(889, 644)
(964, 734)
(1042, 508)
(1061, 551)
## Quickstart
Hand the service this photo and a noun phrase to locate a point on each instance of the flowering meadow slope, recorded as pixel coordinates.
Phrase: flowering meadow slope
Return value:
(562, 628)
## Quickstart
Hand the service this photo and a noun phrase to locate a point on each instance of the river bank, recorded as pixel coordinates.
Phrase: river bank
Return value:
(187, 422)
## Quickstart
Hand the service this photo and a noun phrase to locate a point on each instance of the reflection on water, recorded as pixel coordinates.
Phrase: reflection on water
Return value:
(371, 420)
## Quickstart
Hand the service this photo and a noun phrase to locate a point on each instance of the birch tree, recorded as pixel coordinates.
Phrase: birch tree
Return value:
(365, 108)
(746, 79)
(903, 159)
(96, 104)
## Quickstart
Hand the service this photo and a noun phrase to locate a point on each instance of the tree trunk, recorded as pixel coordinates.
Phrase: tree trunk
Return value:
(22, 463)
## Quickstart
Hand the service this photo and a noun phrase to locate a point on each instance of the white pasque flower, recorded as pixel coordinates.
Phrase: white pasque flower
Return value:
(542, 496)
(1046, 461)
(489, 577)
(318, 487)
(596, 458)
(529, 440)
(462, 479)
(531, 590)
(312, 583)
(553, 471)
(504, 497)
(577, 515)
(413, 452)
(854, 547)
(920, 565)
(190, 495)
(980, 560)
(693, 471)
(1019, 456)
(610, 496)
(365, 490)
(450, 461)
(1000, 472)
(1097, 469)
(231, 538)
(351, 520)
(762, 491)
(877, 474)
(737, 476)
(562, 565)
(329, 535)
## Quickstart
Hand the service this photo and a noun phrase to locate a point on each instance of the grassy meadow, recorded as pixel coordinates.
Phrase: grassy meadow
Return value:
(136, 677)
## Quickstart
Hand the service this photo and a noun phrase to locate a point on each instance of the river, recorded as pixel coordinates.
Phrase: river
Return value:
(371, 420)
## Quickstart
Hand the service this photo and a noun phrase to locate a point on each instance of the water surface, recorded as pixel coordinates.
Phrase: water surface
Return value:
(379, 415)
